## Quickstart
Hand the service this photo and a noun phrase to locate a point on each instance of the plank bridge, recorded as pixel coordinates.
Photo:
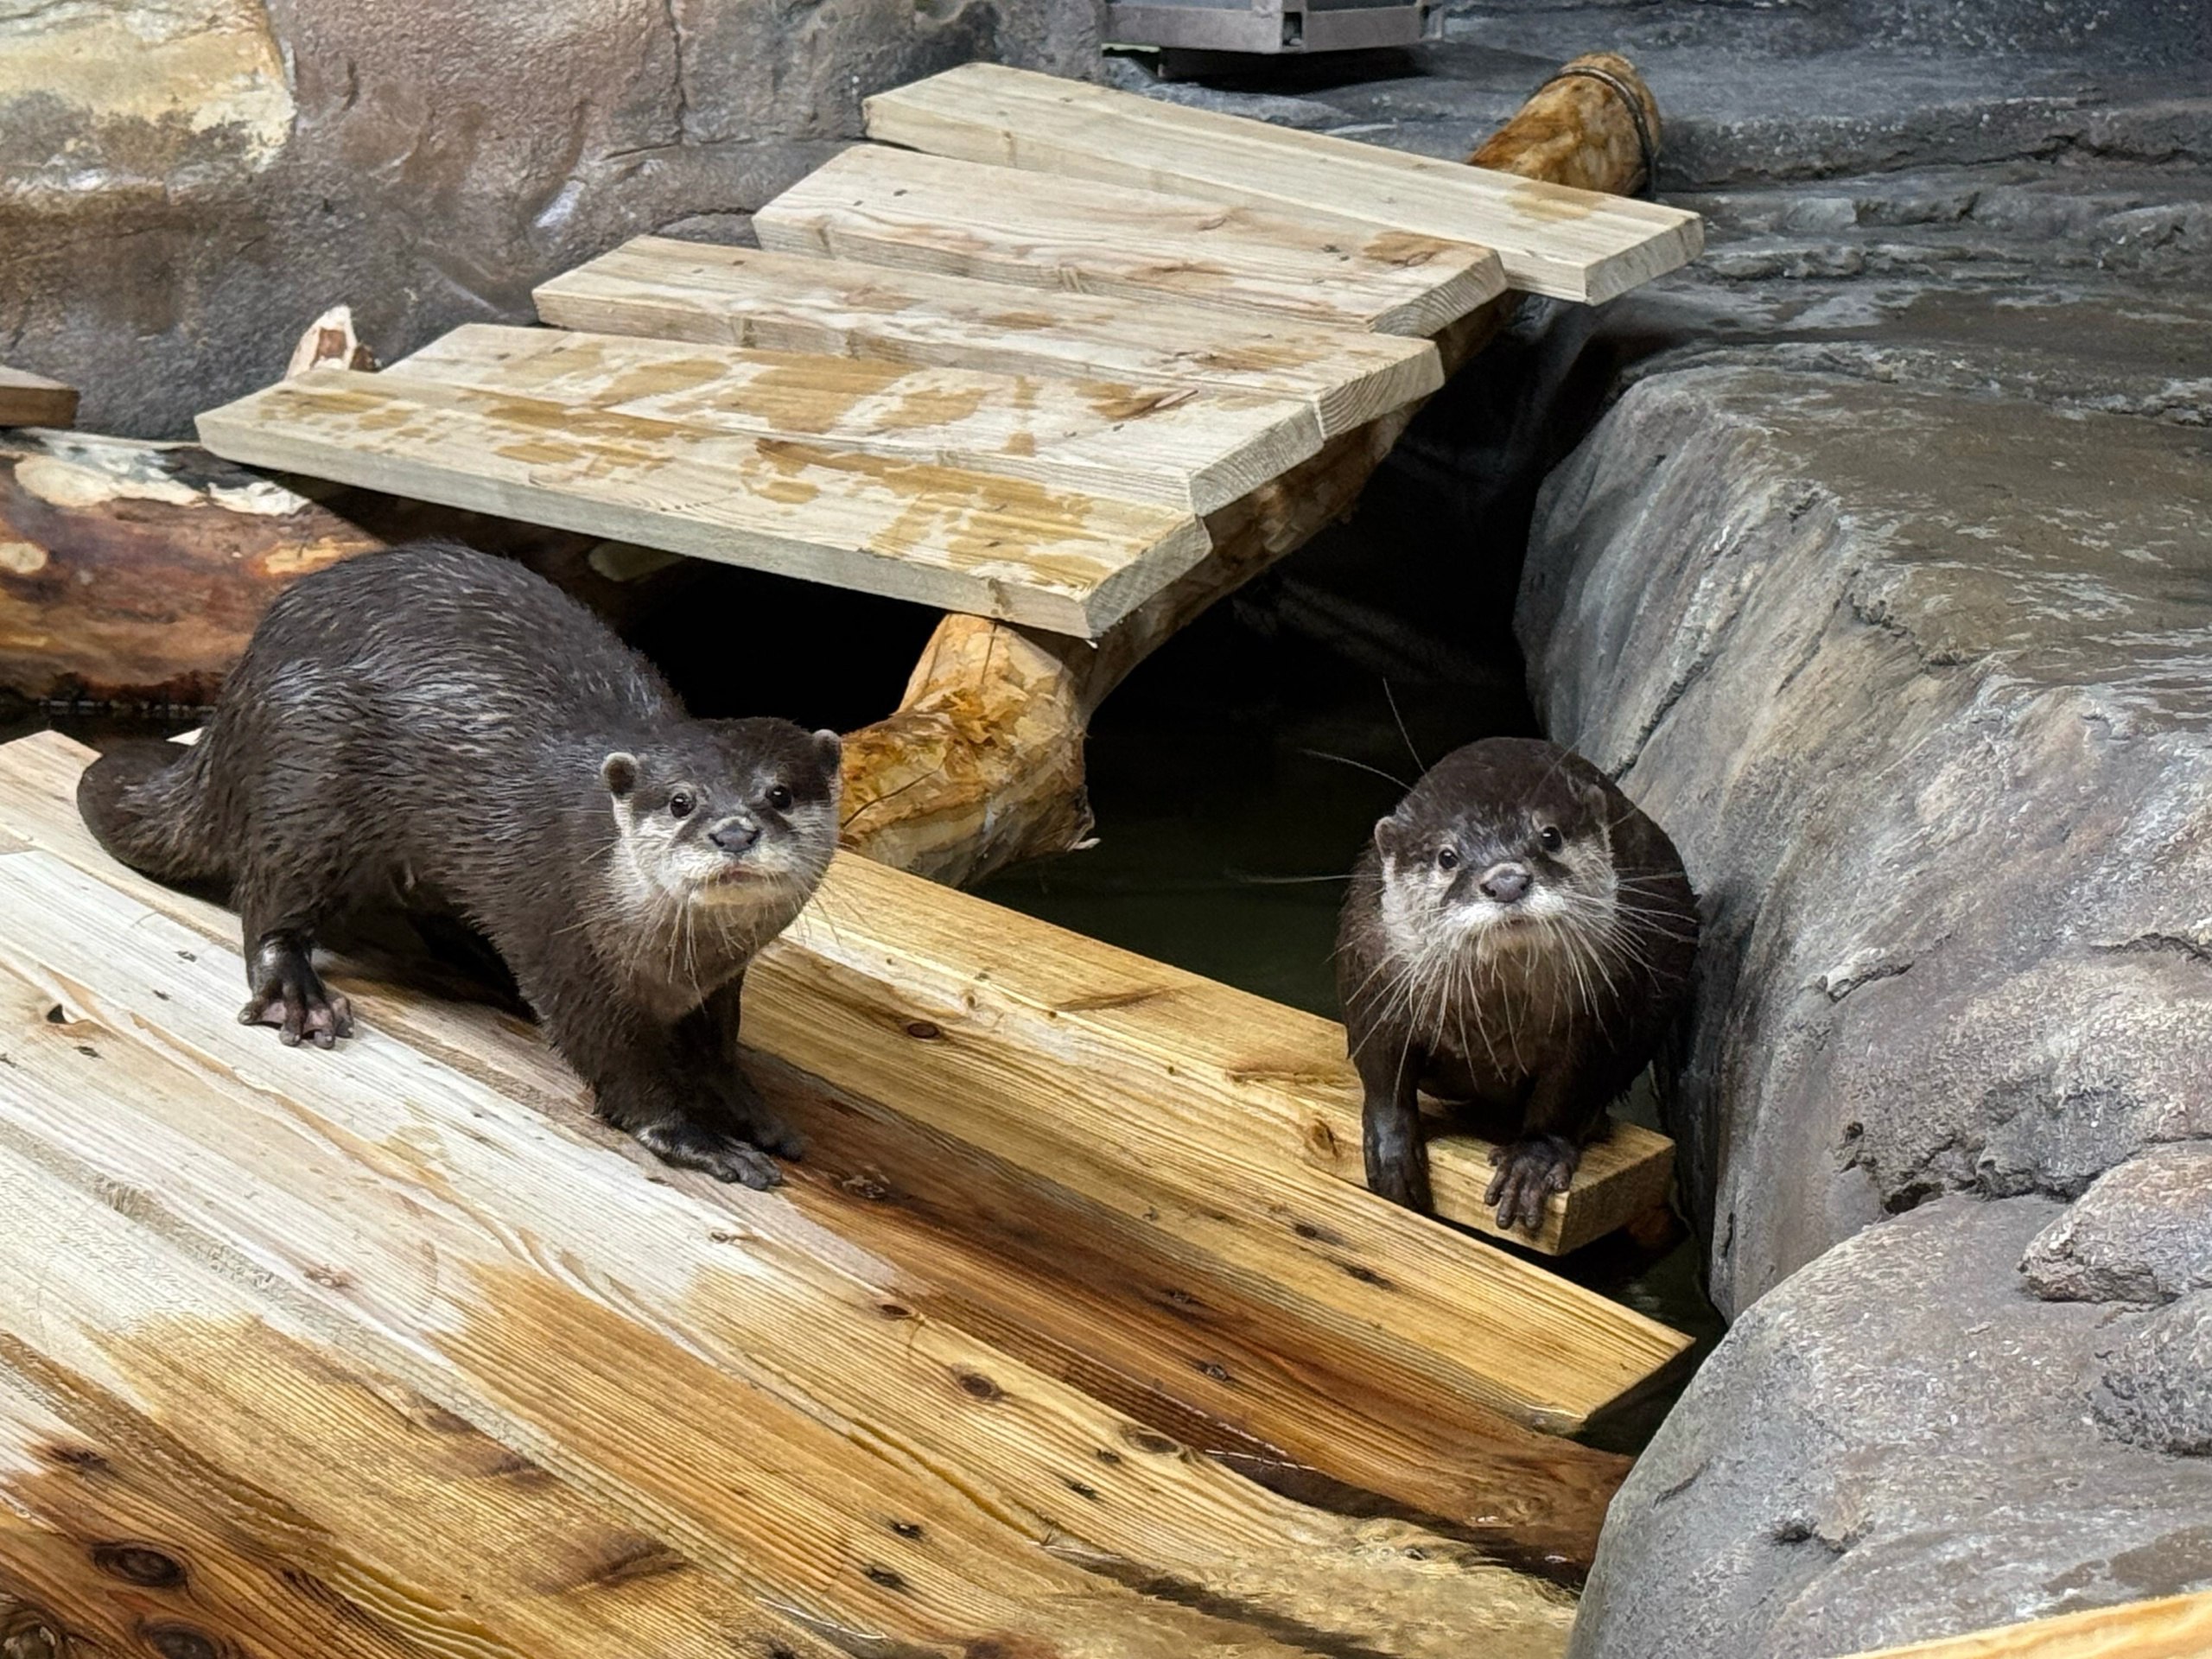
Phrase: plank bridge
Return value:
(1077, 1333)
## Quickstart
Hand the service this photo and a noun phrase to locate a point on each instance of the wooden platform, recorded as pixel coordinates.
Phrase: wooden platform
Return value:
(394, 1351)
(27, 399)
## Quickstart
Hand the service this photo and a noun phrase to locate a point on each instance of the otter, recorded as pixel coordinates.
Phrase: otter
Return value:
(433, 729)
(1518, 937)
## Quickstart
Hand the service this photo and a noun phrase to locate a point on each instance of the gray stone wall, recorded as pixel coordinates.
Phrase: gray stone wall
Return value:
(185, 184)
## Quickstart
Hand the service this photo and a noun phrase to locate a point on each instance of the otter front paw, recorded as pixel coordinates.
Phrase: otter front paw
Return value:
(721, 1154)
(1397, 1164)
(764, 1125)
(1528, 1173)
(290, 995)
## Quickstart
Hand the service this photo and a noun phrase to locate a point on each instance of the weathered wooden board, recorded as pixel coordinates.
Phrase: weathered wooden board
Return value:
(1569, 244)
(1176, 447)
(853, 1463)
(2175, 1627)
(961, 541)
(934, 213)
(748, 298)
(27, 399)
(1187, 1347)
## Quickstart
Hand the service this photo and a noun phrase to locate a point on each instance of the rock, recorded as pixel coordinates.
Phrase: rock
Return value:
(2157, 1388)
(1921, 682)
(2142, 1233)
(1893, 1446)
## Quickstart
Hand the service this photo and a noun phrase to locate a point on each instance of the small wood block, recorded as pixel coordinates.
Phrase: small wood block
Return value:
(29, 399)
(1175, 447)
(1572, 244)
(957, 540)
(960, 218)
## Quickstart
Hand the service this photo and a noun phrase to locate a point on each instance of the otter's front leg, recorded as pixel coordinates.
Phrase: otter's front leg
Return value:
(712, 1036)
(1391, 1125)
(290, 995)
(1562, 1109)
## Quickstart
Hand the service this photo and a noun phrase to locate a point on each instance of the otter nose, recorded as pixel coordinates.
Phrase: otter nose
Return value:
(736, 835)
(1506, 883)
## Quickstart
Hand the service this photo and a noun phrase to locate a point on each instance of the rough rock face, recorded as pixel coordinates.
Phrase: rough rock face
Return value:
(185, 184)
(1898, 1444)
(2142, 1233)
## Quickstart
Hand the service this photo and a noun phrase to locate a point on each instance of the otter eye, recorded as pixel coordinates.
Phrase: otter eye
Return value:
(681, 803)
(1446, 859)
(780, 799)
(1551, 838)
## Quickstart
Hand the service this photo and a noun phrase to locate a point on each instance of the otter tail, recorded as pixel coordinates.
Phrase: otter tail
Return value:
(146, 804)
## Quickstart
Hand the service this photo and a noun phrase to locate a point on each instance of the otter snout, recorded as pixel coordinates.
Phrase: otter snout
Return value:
(735, 834)
(1505, 884)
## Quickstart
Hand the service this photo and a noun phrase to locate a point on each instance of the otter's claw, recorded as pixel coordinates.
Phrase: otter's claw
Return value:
(290, 995)
(1528, 1173)
(720, 1155)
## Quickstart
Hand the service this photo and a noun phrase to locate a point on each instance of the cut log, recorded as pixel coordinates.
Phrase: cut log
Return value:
(330, 342)
(134, 572)
(1577, 129)
(1171, 446)
(27, 399)
(960, 219)
(957, 540)
(2175, 1627)
(786, 302)
(1570, 244)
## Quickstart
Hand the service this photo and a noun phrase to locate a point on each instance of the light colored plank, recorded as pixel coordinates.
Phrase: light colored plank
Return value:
(2175, 1627)
(984, 1247)
(1572, 244)
(781, 302)
(933, 212)
(1172, 445)
(960, 541)
(27, 399)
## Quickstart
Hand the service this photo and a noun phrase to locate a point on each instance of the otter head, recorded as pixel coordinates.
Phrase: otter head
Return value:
(735, 812)
(1497, 842)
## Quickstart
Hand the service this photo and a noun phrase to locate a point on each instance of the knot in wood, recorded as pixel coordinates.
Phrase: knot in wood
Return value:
(139, 1564)
(174, 1641)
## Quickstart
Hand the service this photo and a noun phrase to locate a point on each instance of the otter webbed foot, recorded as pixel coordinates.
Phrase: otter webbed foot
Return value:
(1528, 1173)
(719, 1152)
(290, 995)
(764, 1126)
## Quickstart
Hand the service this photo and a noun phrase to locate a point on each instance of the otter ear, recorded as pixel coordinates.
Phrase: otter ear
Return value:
(619, 772)
(1386, 835)
(829, 751)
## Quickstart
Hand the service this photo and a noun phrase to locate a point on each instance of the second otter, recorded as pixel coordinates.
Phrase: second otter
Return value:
(1517, 936)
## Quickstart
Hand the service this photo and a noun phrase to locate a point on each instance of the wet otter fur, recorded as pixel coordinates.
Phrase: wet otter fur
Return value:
(440, 731)
(1518, 936)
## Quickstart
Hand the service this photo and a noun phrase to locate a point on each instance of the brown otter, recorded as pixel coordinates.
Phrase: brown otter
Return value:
(1517, 936)
(434, 729)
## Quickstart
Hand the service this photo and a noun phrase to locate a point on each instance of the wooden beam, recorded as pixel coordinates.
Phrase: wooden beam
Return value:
(1570, 244)
(789, 302)
(1174, 446)
(2175, 1627)
(961, 219)
(27, 399)
(997, 546)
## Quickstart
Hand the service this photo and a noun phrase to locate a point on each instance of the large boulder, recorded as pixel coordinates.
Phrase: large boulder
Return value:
(1903, 1442)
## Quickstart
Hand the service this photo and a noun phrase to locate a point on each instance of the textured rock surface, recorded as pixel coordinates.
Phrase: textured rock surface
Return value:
(2156, 1391)
(1893, 1446)
(185, 184)
(2142, 1233)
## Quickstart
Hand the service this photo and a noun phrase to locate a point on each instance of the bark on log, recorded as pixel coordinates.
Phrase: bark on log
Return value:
(981, 767)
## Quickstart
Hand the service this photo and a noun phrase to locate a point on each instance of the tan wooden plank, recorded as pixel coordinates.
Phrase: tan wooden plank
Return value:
(27, 399)
(1057, 1283)
(408, 1208)
(961, 541)
(1176, 447)
(2173, 1627)
(1574, 244)
(782, 301)
(964, 218)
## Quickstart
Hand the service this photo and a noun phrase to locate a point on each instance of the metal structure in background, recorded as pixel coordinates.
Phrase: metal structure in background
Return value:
(1273, 26)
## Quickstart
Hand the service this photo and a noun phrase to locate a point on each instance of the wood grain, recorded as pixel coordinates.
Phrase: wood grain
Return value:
(933, 213)
(27, 399)
(2174, 1627)
(782, 301)
(1176, 447)
(1550, 239)
(994, 545)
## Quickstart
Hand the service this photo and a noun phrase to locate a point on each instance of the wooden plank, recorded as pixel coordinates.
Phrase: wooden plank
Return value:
(963, 219)
(1057, 1283)
(961, 541)
(404, 1208)
(1572, 244)
(1172, 445)
(781, 302)
(2173, 1627)
(27, 399)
